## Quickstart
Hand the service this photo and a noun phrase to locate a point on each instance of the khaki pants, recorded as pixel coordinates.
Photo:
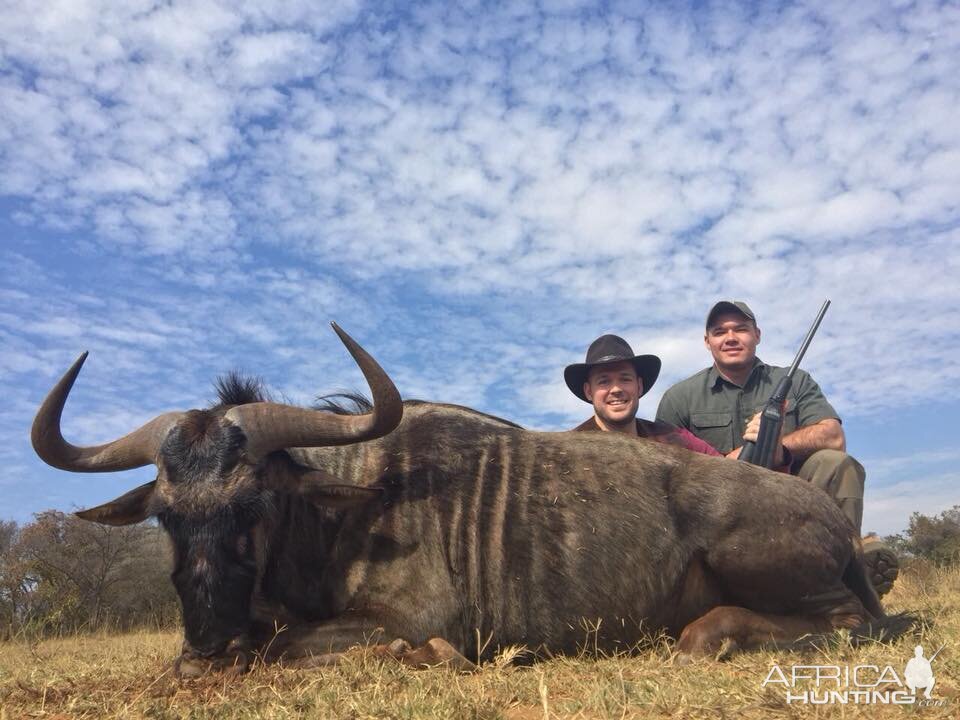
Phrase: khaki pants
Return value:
(841, 477)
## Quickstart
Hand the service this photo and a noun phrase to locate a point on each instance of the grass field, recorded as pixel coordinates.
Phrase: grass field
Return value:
(128, 675)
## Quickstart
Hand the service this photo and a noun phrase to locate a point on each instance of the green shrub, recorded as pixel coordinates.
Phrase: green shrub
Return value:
(936, 539)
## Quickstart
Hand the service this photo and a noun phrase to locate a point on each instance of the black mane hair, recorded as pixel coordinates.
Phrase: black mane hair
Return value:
(235, 388)
(343, 403)
(353, 403)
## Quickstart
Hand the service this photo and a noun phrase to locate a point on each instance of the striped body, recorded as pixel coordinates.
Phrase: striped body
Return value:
(490, 534)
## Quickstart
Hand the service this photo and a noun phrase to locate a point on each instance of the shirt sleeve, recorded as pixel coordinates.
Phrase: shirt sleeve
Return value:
(812, 406)
(692, 442)
(668, 412)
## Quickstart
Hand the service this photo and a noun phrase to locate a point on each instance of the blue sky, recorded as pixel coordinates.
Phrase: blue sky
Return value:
(475, 193)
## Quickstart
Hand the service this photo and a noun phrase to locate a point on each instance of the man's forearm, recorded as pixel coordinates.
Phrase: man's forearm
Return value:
(824, 435)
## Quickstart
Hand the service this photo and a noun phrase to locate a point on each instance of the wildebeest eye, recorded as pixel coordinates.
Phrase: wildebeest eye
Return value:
(242, 545)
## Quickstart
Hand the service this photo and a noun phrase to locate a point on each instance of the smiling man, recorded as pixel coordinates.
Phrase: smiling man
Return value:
(722, 403)
(613, 380)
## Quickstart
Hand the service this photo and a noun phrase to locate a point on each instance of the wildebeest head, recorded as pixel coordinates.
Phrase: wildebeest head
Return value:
(215, 477)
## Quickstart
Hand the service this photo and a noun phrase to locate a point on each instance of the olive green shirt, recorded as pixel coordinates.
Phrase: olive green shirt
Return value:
(716, 410)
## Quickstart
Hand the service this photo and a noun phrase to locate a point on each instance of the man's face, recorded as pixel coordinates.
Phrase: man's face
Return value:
(614, 389)
(732, 340)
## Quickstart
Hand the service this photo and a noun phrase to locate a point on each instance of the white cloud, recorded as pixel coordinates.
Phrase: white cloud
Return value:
(233, 176)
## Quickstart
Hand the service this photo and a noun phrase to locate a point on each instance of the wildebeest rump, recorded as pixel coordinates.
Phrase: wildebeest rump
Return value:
(454, 524)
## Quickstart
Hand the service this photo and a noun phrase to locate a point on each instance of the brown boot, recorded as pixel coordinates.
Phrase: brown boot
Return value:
(883, 567)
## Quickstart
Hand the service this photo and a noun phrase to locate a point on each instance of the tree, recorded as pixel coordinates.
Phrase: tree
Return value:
(935, 538)
(67, 573)
(11, 591)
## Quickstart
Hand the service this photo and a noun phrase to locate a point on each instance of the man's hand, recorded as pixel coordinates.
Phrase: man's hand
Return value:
(752, 431)
(750, 434)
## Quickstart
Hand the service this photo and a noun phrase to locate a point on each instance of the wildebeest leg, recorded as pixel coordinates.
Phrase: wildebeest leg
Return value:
(699, 592)
(435, 651)
(743, 629)
(326, 644)
(320, 644)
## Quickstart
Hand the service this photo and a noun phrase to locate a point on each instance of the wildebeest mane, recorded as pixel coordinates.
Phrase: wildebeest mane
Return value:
(235, 388)
(343, 403)
(353, 403)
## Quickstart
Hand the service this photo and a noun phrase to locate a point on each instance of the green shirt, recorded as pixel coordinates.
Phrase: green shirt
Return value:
(716, 410)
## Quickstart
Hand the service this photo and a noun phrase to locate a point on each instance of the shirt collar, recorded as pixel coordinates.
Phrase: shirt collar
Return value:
(715, 380)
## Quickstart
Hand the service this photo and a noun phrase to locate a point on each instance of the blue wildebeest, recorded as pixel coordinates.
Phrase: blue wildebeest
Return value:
(460, 533)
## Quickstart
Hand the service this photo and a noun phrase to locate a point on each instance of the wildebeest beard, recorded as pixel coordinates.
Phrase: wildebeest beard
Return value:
(214, 574)
(210, 522)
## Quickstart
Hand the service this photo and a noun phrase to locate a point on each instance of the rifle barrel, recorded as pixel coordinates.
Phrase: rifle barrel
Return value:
(808, 338)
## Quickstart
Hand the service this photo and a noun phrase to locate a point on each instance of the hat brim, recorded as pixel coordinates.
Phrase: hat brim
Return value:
(647, 367)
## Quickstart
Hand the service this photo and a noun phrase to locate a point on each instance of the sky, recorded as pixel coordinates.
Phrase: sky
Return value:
(475, 191)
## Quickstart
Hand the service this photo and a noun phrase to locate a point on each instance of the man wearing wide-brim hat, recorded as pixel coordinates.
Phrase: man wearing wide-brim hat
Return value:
(722, 404)
(613, 379)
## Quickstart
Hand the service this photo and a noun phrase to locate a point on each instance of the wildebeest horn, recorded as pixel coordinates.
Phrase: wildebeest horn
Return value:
(273, 426)
(133, 450)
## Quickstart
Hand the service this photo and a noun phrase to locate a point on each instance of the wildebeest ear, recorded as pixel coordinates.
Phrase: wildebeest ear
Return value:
(127, 509)
(317, 487)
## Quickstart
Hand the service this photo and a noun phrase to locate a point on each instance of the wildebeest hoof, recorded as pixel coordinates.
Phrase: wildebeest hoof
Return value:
(449, 656)
(433, 653)
(234, 661)
(399, 647)
(883, 566)
(437, 651)
(682, 659)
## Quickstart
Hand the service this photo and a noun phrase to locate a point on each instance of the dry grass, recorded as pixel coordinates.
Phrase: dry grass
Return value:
(128, 676)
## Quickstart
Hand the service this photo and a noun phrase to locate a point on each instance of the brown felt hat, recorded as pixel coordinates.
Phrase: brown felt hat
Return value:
(728, 306)
(610, 349)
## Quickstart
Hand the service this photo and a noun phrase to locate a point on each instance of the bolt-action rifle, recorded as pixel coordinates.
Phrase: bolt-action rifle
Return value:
(763, 450)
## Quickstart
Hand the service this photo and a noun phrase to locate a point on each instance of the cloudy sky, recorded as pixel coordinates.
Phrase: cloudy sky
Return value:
(475, 193)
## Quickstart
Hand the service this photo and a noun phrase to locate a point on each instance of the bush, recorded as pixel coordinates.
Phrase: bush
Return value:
(936, 539)
(62, 574)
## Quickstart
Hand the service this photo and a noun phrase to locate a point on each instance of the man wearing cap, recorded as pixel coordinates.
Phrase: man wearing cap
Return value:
(722, 404)
(613, 380)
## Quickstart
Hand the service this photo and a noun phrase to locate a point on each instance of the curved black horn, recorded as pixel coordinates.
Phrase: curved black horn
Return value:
(133, 450)
(274, 426)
